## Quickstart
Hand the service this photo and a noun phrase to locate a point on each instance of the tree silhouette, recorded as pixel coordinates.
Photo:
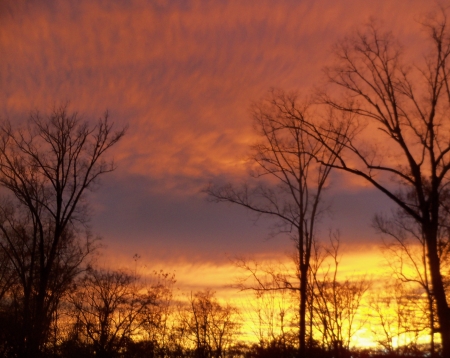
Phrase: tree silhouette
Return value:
(110, 309)
(209, 325)
(378, 89)
(336, 302)
(288, 181)
(45, 168)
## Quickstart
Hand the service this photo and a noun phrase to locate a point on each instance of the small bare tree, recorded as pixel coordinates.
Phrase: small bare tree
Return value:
(336, 302)
(272, 309)
(158, 318)
(110, 309)
(211, 326)
(399, 319)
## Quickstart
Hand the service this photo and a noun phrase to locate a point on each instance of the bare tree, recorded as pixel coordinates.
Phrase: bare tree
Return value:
(406, 253)
(337, 302)
(288, 181)
(158, 318)
(272, 309)
(46, 168)
(407, 104)
(211, 326)
(399, 320)
(110, 309)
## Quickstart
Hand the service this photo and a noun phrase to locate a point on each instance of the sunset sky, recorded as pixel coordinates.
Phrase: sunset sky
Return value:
(182, 75)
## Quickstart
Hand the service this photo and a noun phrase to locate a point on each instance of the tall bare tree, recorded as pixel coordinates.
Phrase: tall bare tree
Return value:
(381, 91)
(288, 181)
(46, 168)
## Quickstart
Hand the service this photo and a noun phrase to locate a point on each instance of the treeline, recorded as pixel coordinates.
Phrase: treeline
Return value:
(55, 302)
(117, 313)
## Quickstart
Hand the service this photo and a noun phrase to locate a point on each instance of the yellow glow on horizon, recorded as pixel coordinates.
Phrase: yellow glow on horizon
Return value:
(368, 262)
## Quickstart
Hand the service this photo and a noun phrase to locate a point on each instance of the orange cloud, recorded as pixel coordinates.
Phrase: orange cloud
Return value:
(181, 75)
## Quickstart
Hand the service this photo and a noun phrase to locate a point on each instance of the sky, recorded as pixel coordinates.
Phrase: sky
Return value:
(182, 75)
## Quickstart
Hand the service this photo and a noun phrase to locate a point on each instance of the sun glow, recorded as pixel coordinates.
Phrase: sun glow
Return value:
(386, 317)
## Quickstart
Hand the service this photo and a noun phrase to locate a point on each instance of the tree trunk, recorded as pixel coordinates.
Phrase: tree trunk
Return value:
(302, 309)
(443, 311)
